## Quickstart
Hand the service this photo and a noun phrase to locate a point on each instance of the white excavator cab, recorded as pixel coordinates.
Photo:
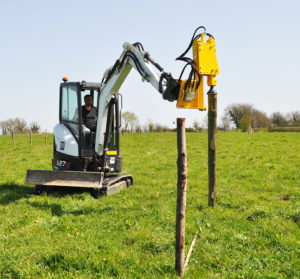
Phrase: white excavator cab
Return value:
(78, 140)
(74, 140)
(75, 162)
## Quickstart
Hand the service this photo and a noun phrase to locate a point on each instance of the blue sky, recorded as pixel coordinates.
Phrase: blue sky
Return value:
(258, 51)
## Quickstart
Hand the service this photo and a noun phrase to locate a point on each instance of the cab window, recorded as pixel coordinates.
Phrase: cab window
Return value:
(69, 104)
(69, 108)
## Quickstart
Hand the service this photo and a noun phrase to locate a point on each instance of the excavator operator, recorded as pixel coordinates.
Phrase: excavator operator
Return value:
(89, 113)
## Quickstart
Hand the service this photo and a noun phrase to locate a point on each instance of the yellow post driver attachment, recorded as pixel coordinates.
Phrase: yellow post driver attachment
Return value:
(204, 63)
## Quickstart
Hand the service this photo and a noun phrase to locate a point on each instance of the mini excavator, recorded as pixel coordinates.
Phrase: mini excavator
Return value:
(91, 159)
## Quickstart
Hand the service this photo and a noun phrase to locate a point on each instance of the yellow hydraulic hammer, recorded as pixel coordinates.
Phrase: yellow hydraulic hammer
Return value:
(205, 62)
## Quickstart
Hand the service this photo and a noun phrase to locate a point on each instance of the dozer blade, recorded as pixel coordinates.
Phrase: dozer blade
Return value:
(81, 179)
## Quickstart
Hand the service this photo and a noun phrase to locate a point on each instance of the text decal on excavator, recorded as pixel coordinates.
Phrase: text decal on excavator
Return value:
(62, 163)
(62, 145)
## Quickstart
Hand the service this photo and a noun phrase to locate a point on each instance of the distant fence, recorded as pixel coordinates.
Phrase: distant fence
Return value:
(190, 130)
(30, 136)
(268, 129)
(284, 129)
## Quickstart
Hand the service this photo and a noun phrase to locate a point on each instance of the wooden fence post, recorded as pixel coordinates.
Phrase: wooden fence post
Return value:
(30, 138)
(13, 139)
(212, 133)
(250, 130)
(181, 196)
(46, 136)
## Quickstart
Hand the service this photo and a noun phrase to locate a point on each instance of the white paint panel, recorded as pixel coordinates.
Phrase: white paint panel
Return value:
(62, 134)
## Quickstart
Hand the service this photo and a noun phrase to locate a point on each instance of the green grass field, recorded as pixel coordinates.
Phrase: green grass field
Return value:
(251, 233)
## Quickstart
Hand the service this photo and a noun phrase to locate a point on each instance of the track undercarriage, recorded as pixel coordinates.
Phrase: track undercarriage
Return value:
(95, 182)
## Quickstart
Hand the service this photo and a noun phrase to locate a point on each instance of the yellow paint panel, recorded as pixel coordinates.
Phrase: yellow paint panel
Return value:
(111, 152)
(196, 103)
(204, 56)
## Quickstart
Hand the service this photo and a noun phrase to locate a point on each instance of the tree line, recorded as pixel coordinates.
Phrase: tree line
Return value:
(239, 116)
(244, 116)
(130, 123)
(19, 126)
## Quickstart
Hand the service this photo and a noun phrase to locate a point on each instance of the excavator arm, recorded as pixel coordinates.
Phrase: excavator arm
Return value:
(188, 93)
(133, 56)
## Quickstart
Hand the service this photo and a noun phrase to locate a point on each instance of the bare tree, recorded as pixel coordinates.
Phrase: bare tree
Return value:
(197, 126)
(294, 117)
(19, 125)
(165, 128)
(16, 125)
(4, 127)
(278, 119)
(235, 112)
(130, 120)
(134, 122)
(125, 120)
(158, 128)
(150, 125)
(138, 129)
(35, 127)
(225, 123)
(10, 125)
(205, 122)
(259, 119)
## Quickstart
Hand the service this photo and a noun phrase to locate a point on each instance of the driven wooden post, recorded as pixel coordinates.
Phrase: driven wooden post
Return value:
(30, 138)
(13, 139)
(181, 196)
(45, 136)
(212, 133)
